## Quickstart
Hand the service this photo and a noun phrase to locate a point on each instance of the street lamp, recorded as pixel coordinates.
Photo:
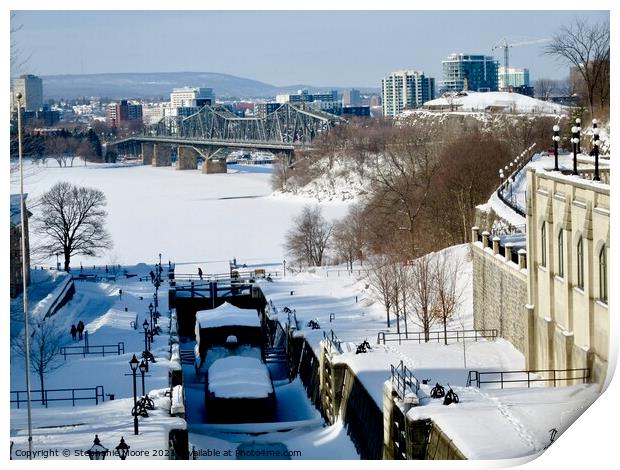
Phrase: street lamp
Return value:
(19, 97)
(57, 264)
(145, 325)
(143, 368)
(501, 177)
(578, 122)
(556, 139)
(595, 131)
(122, 449)
(97, 451)
(575, 141)
(134, 366)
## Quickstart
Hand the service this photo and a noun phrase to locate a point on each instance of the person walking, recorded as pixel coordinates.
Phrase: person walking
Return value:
(80, 329)
(200, 273)
(73, 332)
(152, 276)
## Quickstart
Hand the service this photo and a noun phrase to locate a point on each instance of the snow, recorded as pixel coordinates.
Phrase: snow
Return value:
(508, 423)
(227, 315)
(239, 377)
(540, 162)
(481, 101)
(193, 219)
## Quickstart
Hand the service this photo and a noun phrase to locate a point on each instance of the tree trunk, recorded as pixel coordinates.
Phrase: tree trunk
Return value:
(42, 385)
(445, 330)
(387, 311)
(67, 261)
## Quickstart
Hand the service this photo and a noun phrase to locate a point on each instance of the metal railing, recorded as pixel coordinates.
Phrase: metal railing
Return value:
(21, 396)
(403, 380)
(528, 377)
(97, 349)
(437, 336)
(333, 343)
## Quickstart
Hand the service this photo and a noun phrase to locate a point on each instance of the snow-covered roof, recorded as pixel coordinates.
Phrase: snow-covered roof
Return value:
(227, 315)
(478, 101)
(239, 377)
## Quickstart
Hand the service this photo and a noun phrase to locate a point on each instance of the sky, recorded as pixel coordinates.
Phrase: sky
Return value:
(321, 48)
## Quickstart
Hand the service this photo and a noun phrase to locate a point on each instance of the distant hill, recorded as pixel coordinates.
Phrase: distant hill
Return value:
(149, 85)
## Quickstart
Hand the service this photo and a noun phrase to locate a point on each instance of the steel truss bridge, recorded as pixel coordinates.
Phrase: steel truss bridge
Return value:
(289, 128)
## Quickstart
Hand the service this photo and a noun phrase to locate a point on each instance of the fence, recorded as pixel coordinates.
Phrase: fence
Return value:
(21, 396)
(333, 343)
(404, 381)
(438, 336)
(531, 376)
(102, 349)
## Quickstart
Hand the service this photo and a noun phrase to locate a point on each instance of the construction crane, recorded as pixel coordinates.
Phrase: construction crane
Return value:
(503, 44)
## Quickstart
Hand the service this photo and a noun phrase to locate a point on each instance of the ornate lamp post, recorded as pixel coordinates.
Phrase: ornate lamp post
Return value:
(556, 139)
(151, 315)
(122, 449)
(143, 368)
(595, 131)
(575, 141)
(134, 366)
(97, 451)
(145, 326)
(578, 122)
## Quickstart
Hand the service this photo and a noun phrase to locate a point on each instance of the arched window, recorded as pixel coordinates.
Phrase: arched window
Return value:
(543, 244)
(580, 263)
(561, 253)
(602, 274)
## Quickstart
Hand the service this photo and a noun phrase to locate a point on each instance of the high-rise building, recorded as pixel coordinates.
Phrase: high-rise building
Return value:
(124, 111)
(191, 97)
(262, 109)
(31, 88)
(405, 89)
(469, 72)
(351, 97)
(515, 77)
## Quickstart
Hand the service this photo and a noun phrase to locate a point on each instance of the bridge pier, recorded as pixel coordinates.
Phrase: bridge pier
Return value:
(161, 155)
(147, 153)
(187, 158)
(214, 165)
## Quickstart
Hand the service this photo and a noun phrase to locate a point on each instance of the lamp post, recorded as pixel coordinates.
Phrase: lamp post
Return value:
(145, 325)
(578, 122)
(160, 260)
(134, 366)
(556, 139)
(97, 451)
(575, 141)
(143, 368)
(501, 177)
(595, 131)
(284, 267)
(57, 265)
(151, 315)
(19, 97)
(122, 449)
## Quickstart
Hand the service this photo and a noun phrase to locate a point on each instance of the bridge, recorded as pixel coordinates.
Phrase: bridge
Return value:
(289, 128)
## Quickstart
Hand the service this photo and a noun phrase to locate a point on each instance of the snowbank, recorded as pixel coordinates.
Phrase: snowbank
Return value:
(227, 315)
(494, 100)
(239, 377)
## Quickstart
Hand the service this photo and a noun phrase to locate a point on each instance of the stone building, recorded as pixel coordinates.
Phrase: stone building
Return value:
(15, 255)
(546, 290)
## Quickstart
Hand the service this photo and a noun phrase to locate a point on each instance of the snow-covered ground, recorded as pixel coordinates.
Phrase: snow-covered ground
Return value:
(497, 100)
(206, 220)
(190, 218)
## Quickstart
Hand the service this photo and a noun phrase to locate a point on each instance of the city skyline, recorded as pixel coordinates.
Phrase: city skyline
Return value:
(320, 48)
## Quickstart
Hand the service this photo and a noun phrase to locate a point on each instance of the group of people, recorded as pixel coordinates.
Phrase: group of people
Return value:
(77, 331)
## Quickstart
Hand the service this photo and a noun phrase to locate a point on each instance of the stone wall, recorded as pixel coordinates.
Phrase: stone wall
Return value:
(500, 296)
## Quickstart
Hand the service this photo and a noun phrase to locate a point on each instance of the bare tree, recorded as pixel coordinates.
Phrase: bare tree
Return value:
(544, 88)
(45, 344)
(423, 293)
(349, 236)
(72, 220)
(380, 277)
(448, 294)
(585, 46)
(309, 237)
(402, 180)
